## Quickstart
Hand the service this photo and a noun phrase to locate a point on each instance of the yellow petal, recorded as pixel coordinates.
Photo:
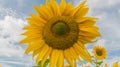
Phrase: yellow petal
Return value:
(83, 19)
(87, 39)
(81, 45)
(37, 9)
(85, 34)
(54, 57)
(32, 34)
(87, 23)
(36, 18)
(46, 56)
(49, 8)
(42, 53)
(75, 55)
(33, 30)
(55, 8)
(94, 28)
(62, 6)
(76, 10)
(42, 12)
(34, 24)
(60, 63)
(30, 27)
(46, 11)
(83, 53)
(29, 39)
(35, 52)
(33, 46)
(81, 12)
(90, 30)
(68, 10)
(68, 57)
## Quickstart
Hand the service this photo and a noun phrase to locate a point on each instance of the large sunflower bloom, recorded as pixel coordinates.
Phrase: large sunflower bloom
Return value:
(59, 32)
(99, 52)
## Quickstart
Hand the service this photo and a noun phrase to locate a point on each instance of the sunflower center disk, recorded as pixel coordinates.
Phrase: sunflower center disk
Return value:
(61, 32)
(60, 28)
(99, 53)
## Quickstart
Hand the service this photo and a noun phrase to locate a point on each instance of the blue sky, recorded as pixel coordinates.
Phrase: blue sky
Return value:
(13, 12)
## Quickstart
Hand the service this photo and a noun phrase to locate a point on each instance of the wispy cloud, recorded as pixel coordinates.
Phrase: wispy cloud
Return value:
(12, 62)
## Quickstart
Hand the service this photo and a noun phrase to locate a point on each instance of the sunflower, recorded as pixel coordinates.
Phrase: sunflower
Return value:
(99, 52)
(115, 64)
(59, 32)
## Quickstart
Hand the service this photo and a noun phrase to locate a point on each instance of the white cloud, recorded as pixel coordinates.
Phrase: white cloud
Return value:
(98, 3)
(10, 49)
(12, 62)
(10, 29)
(101, 42)
(102, 3)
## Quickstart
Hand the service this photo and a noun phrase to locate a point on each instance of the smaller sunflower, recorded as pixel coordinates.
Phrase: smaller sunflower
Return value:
(115, 64)
(99, 52)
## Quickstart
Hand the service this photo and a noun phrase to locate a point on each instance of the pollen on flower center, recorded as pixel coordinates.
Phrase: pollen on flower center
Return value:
(60, 28)
(61, 32)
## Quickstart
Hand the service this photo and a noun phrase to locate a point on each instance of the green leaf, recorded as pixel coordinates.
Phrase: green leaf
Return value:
(45, 64)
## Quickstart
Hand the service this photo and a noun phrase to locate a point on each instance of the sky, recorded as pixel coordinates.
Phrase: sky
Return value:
(12, 20)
